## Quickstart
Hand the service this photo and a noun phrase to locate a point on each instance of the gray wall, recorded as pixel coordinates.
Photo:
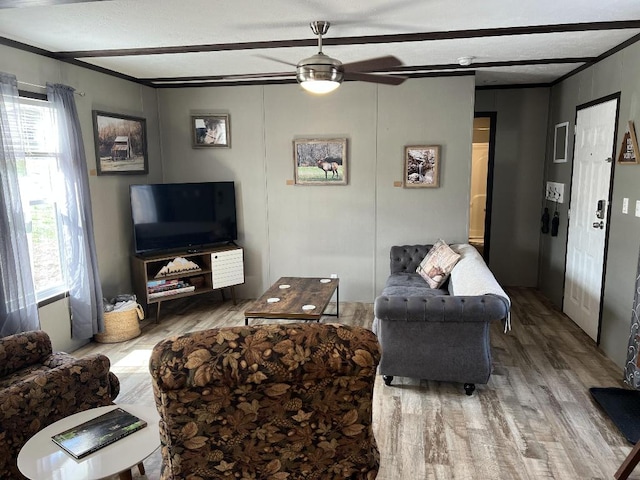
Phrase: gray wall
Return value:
(243, 163)
(319, 230)
(304, 230)
(109, 194)
(521, 129)
(436, 111)
(618, 73)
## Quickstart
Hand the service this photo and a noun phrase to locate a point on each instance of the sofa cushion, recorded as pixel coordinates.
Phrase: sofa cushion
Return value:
(24, 374)
(409, 285)
(406, 280)
(437, 264)
(413, 291)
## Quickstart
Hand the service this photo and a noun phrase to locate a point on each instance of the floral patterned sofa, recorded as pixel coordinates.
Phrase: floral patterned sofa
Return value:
(39, 387)
(278, 401)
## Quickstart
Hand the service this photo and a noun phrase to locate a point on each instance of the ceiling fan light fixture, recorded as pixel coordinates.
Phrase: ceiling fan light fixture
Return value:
(319, 87)
(319, 74)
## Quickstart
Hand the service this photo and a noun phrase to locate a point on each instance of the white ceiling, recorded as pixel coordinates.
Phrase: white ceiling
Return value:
(212, 30)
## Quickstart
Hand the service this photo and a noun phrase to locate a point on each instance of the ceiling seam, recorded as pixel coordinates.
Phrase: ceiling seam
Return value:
(359, 40)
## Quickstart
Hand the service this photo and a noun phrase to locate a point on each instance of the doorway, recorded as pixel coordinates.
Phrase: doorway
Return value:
(482, 154)
(590, 212)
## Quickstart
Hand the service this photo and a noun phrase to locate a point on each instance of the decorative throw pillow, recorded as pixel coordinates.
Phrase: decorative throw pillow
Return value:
(437, 264)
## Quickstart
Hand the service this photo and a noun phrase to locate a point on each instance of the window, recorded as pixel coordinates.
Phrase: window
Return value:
(39, 179)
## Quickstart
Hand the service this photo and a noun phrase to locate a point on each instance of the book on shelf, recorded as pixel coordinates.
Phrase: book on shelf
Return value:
(172, 291)
(98, 432)
(168, 286)
(160, 283)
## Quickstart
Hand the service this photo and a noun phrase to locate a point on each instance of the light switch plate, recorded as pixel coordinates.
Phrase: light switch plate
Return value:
(555, 192)
(637, 208)
(625, 205)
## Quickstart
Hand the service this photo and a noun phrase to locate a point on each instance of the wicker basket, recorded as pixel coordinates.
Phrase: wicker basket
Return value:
(120, 326)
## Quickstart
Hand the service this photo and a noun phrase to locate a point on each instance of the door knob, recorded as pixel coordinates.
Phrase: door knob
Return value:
(600, 209)
(599, 224)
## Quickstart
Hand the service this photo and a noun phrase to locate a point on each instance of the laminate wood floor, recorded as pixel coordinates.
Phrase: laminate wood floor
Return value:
(535, 419)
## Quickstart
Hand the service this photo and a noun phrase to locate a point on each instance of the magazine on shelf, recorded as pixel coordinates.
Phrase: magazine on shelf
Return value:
(98, 432)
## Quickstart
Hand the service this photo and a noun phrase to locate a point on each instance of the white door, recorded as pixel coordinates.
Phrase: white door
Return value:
(478, 204)
(593, 154)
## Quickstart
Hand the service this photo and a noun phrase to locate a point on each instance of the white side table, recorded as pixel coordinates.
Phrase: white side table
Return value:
(41, 459)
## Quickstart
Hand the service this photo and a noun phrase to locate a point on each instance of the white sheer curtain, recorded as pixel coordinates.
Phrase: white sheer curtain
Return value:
(632, 367)
(18, 305)
(79, 264)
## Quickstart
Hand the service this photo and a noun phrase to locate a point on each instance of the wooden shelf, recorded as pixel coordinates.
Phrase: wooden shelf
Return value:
(174, 296)
(185, 274)
(220, 267)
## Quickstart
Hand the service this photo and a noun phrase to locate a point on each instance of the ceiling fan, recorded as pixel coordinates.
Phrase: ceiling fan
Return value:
(321, 73)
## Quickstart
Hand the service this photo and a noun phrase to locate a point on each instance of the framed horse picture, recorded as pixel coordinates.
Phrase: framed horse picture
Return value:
(210, 130)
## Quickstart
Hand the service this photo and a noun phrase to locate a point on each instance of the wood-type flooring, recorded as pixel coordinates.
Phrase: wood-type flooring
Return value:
(535, 419)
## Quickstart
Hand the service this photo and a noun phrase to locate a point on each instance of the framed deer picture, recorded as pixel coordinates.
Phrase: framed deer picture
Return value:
(320, 161)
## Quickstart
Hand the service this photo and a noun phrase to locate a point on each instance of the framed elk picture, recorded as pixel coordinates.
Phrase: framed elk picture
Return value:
(421, 166)
(320, 161)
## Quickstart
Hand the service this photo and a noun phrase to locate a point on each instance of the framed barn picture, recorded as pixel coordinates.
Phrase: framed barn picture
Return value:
(320, 161)
(210, 131)
(421, 166)
(121, 144)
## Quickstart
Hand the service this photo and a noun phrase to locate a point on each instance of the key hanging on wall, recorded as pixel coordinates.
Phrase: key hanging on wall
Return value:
(555, 222)
(545, 221)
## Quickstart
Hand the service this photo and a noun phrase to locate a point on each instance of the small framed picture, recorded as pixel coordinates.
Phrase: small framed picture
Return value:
(421, 166)
(210, 131)
(320, 161)
(121, 144)
(629, 149)
(560, 138)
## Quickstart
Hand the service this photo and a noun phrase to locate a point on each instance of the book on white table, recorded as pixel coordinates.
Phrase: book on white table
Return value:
(99, 432)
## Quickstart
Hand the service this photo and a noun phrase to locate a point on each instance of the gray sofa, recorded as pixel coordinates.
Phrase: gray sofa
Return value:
(439, 334)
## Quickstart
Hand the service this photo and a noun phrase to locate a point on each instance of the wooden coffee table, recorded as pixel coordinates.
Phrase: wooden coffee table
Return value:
(296, 298)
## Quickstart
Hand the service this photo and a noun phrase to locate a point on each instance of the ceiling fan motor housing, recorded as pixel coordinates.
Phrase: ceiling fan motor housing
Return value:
(320, 67)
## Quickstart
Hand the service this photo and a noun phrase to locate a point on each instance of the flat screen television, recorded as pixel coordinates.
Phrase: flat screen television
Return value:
(182, 216)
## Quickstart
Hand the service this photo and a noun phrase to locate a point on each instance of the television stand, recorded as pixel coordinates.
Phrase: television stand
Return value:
(208, 270)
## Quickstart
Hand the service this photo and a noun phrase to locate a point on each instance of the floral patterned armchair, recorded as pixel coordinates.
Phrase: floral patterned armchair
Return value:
(39, 387)
(286, 401)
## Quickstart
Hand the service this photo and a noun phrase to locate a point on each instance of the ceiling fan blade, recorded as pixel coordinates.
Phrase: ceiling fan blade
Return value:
(39, 3)
(266, 57)
(373, 64)
(372, 77)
